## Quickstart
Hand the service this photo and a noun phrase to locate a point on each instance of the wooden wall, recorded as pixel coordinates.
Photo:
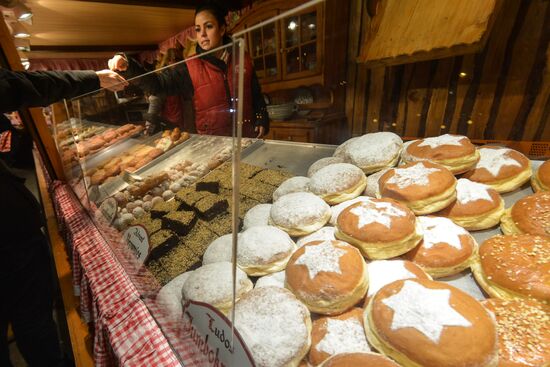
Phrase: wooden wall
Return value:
(502, 92)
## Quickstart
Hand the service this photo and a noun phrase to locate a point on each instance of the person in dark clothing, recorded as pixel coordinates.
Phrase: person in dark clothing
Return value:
(25, 266)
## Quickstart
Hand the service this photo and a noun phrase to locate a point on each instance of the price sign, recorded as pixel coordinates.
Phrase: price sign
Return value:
(210, 331)
(137, 240)
(109, 209)
(93, 193)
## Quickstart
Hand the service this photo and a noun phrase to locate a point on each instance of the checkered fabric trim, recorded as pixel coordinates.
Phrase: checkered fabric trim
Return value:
(5, 141)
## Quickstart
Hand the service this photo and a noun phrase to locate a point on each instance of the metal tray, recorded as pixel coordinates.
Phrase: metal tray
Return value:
(164, 155)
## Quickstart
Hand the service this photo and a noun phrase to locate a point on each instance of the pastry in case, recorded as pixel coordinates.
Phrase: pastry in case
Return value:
(299, 213)
(338, 182)
(540, 181)
(359, 359)
(529, 215)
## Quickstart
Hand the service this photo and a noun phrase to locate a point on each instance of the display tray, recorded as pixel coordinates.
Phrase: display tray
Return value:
(164, 156)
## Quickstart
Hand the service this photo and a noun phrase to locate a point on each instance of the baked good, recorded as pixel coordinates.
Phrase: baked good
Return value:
(293, 184)
(515, 267)
(299, 213)
(425, 187)
(323, 234)
(446, 249)
(212, 283)
(530, 214)
(419, 322)
(264, 250)
(380, 228)
(359, 359)
(323, 162)
(274, 325)
(382, 272)
(257, 216)
(540, 181)
(374, 151)
(503, 169)
(337, 209)
(477, 206)
(372, 188)
(332, 335)
(328, 276)
(169, 298)
(274, 279)
(338, 182)
(454, 152)
(341, 150)
(523, 329)
(221, 249)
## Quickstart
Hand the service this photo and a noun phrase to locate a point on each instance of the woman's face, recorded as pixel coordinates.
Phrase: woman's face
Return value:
(209, 33)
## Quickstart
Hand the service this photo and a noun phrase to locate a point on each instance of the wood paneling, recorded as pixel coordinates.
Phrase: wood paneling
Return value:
(502, 92)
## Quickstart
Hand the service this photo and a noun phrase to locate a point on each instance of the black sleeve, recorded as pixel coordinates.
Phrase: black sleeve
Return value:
(168, 82)
(258, 104)
(20, 89)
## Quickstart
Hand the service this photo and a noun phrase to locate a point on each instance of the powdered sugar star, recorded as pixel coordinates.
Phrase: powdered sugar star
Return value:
(417, 174)
(445, 139)
(321, 257)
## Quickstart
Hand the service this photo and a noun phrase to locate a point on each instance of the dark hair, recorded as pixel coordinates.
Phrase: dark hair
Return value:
(218, 10)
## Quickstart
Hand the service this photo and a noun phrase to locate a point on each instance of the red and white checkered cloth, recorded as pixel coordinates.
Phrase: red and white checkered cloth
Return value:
(5, 141)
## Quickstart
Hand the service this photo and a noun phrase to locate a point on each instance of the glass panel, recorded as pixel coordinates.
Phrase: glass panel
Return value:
(271, 65)
(259, 66)
(309, 56)
(293, 61)
(308, 27)
(270, 39)
(292, 31)
(256, 39)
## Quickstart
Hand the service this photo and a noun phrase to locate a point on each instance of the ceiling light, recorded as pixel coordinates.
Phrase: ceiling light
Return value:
(22, 12)
(22, 44)
(292, 25)
(19, 30)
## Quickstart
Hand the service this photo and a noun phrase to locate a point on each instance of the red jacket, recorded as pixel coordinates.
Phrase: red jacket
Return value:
(213, 90)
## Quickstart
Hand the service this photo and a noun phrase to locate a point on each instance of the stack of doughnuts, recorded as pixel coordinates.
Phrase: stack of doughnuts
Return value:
(293, 184)
(420, 322)
(454, 152)
(329, 277)
(359, 359)
(299, 213)
(501, 168)
(380, 228)
(515, 267)
(338, 182)
(540, 181)
(477, 206)
(425, 187)
(530, 214)
(446, 248)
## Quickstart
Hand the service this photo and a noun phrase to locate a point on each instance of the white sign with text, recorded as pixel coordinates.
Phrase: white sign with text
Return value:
(137, 240)
(109, 209)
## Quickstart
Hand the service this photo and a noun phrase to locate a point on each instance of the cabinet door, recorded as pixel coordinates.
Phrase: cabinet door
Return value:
(263, 46)
(293, 134)
(302, 43)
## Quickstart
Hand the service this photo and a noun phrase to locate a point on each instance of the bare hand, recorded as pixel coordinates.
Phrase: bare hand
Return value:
(118, 63)
(260, 130)
(110, 80)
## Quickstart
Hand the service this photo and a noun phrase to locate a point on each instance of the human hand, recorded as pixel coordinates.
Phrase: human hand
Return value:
(260, 130)
(118, 63)
(110, 80)
(149, 128)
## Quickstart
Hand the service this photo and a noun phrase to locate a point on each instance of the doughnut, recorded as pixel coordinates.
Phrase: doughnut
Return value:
(477, 206)
(169, 298)
(221, 249)
(274, 279)
(341, 150)
(338, 182)
(530, 214)
(454, 152)
(323, 162)
(503, 169)
(323, 234)
(382, 272)
(274, 325)
(359, 359)
(332, 335)
(380, 228)
(372, 188)
(540, 181)
(419, 322)
(293, 184)
(212, 284)
(299, 213)
(446, 248)
(257, 216)
(523, 329)
(337, 209)
(264, 250)
(373, 152)
(515, 267)
(329, 277)
(425, 187)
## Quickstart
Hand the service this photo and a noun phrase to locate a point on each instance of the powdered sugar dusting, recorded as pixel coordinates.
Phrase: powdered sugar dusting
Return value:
(417, 174)
(294, 184)
(424, 309)
(257, 216)
(384, 272)
(272, 323)
(343, 336)
(262, 244)
(219, 250)
(468, 191)
(323, 162)
(373, 187)
(445, 139)
(494, 159)
(323, 234)
(322, 257)
(441, 230)
(299, 209)
(376, 212)
(373, 149)
(276, 280)
(170, 295)
(335, 178)
(337, 209)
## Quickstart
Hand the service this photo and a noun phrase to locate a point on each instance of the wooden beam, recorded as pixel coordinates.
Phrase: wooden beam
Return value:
(93, 48)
